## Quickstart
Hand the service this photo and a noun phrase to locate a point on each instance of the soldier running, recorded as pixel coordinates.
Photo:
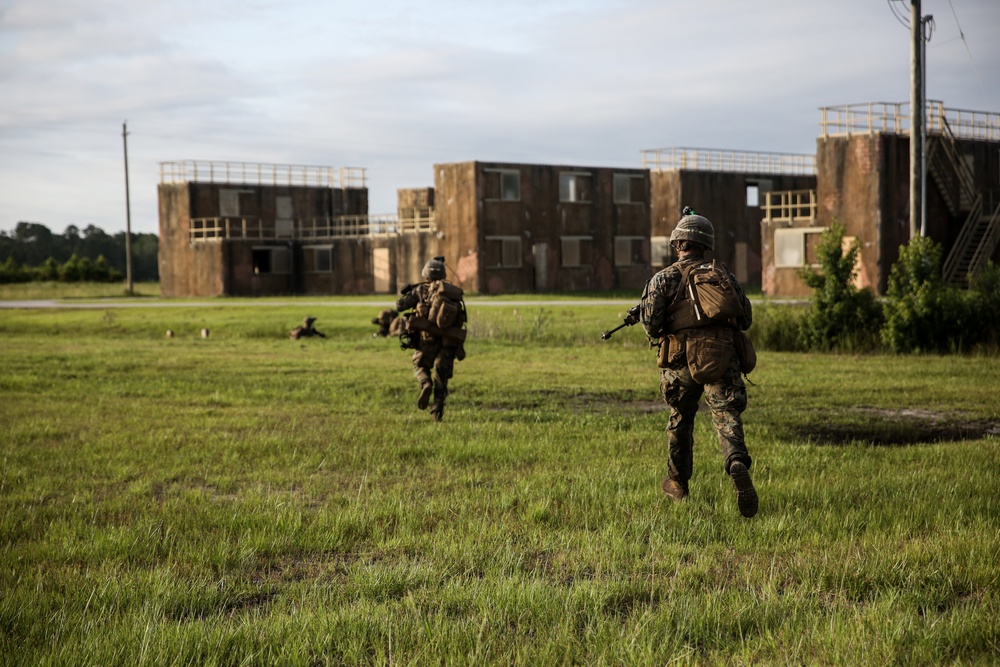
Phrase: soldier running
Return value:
(686, 341)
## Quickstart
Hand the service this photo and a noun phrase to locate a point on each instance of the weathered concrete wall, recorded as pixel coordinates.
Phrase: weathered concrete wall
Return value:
(456, 213)
(414, 202)
(216, 267)
(410, 252)
(471, 215)
(186, 269)
(722, 198)
(858, 187)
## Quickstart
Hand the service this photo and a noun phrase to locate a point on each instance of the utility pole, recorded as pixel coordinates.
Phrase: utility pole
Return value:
(916, 119)
(128, 220)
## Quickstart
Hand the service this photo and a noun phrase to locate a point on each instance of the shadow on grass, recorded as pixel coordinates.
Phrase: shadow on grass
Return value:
(889, 428)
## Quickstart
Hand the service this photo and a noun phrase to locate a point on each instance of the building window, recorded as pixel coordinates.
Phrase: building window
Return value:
(319, 259)
(756, 191)
(502, 184)
(273, 260)
(628, 251)
(574, 187)
(659, 250)
(629, 188)
(576, 250)
(503, 252)
(796, 247)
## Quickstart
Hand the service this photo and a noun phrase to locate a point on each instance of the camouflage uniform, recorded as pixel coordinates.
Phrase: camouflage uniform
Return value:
(726, 398)
(433, 362)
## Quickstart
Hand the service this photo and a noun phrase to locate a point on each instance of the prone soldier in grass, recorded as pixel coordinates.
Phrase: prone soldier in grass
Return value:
(436, 332)
(305, 330)
(389, 323)
(696, 311)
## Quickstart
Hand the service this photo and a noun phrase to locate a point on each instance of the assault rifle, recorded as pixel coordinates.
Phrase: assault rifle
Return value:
(631, 317)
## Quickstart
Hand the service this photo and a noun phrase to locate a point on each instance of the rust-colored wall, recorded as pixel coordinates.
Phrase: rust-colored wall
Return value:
(410, 252)
(456, 214)
(414, 202)
(722, 198)
(219, 267)
(864, 183)
(853, 189)
(467, 215)
(186, 269)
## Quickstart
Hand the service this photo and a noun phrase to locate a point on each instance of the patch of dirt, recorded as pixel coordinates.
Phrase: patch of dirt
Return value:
(889, 427)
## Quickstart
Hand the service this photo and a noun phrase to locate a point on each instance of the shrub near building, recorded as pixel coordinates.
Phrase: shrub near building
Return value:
(925, 314)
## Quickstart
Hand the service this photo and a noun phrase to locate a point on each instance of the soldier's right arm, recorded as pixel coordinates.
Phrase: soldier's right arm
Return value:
(656, 298)
(407, 301)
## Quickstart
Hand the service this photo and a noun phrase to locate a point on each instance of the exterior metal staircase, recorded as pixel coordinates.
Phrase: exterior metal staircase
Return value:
(980, 232)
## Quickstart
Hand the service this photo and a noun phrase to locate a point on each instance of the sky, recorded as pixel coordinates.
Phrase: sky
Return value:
(396, 86)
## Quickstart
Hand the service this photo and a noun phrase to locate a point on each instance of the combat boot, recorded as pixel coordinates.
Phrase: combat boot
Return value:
(674, 489)
(425, 395)
(437, 411)
(746, 495)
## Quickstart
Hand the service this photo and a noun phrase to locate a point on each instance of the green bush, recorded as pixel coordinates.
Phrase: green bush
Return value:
(924, 314)
(48, 271)
(12, 272)
(841, 316)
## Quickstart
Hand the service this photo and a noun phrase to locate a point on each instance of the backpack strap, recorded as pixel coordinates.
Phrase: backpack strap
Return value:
(681, 311)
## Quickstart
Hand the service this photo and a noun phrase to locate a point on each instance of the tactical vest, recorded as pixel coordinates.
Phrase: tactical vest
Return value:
(441, 315)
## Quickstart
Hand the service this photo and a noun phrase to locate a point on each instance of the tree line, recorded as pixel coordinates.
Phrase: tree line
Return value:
(33, 252)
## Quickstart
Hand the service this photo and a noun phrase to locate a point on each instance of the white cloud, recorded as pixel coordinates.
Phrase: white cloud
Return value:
(397, 86)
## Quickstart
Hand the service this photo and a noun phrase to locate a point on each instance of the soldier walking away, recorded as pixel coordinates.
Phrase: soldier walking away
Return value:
(388, 322)
(305, 330)
(694, 310)
(436, 332)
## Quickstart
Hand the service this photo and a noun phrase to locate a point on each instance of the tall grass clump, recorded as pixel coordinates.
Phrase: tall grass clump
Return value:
(841, 316)
(778, 327)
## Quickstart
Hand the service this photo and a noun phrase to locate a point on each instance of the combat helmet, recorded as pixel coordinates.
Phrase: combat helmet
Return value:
(695, 228)
(434, 269)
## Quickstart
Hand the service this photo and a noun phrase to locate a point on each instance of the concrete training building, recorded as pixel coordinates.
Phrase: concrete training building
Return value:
(256, 229)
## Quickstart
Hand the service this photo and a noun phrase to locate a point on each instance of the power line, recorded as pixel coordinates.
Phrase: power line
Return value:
(989, 107)
(901, 17)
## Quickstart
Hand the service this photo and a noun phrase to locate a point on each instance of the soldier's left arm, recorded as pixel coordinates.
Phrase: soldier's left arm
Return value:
(746, 320)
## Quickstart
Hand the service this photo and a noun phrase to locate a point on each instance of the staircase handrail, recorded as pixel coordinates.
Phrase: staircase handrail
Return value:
(966, 179)
(962, 242)
(989, 241)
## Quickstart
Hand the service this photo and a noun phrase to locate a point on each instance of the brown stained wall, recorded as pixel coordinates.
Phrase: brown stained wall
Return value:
(186, 269)
(219, 267)
(456, 215)
(722, 198)
(260, 201)
(240, 270)
(468, 213)
(864, 183)
(853, 190)
(414, 202)
(411, 252)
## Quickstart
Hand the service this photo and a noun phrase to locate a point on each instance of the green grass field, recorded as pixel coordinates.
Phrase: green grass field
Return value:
(247, 499)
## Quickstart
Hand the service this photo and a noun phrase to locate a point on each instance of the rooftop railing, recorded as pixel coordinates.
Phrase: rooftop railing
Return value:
(707, 159)
(894, 118)
(255, 173)
(252, 228)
